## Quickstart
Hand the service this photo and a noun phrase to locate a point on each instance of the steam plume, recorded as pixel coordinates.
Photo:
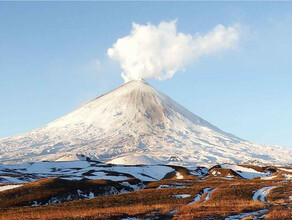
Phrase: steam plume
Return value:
(160, 51)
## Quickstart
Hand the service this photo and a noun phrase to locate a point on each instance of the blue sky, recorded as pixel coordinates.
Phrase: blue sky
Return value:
(53, 59)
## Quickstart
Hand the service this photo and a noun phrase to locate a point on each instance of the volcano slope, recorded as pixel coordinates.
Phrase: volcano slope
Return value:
(136, 120)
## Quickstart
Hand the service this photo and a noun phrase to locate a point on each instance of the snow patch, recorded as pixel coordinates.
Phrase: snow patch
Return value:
(288, 176)
(262, 193)
(286, 170)
(7, 187)
(215, 173)
(208, 192)
(175, 185)
(181, 196)
(268, 177)
(134, 160)
(247, 173)
(246, 214)
(179, 176)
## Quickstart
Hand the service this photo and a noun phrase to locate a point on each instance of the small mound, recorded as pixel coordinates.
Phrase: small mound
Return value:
(220, 172)
(134, 160)
(247, 172)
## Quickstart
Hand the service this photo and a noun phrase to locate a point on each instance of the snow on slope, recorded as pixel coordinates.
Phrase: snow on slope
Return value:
(76, 170)
(135, 160)
(136, 119)
(247, 173)
(7, 187)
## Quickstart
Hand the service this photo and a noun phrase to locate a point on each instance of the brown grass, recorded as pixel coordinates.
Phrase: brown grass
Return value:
(220, 208)
(223, 172)
(281, 213)
(44, 189)
(231, 197)
(88, 212)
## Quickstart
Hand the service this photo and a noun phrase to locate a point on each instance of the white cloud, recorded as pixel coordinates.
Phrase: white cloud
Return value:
(160, 51)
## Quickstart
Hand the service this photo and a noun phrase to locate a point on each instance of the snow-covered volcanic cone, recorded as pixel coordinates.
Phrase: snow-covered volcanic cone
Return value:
(136, 120)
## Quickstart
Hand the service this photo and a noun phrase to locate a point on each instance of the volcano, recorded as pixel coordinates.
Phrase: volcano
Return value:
(136, 121)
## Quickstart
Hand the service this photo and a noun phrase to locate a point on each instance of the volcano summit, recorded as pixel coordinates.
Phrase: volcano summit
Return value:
(136, 122)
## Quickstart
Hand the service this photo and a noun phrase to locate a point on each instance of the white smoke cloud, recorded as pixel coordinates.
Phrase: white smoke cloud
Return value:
(160, 51)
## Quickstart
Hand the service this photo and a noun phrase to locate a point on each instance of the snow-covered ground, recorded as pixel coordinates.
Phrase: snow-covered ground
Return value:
(7, 187)
(181, 196)
(288, 176)
(197, 198)
(174, 185)
(268, 177)
(209, 193)
(133, 120)
(134, 160)
(206, 191)
(76, 170)
(179, 176)
(261, 194)
(247, 173)
(286, 169)
(260, 214)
